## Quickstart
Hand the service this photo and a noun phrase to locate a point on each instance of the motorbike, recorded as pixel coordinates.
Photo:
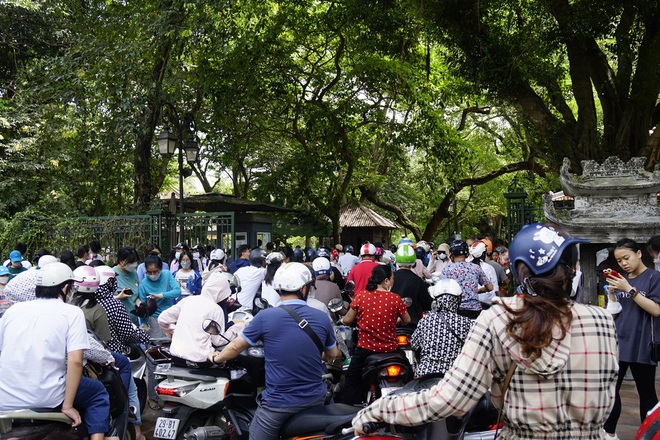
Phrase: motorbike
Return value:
(480, 423)
(193, 394)
(240, 404)
(138, 359)
(53, 424)
(650, 428)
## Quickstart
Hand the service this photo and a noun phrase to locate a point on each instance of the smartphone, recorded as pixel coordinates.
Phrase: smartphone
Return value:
(611, 272)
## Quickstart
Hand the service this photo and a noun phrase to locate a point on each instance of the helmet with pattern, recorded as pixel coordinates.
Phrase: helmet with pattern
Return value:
(541, 246)
(367, 249)
(322, 266)
(89, 279)
(323, 252)
(405, 255)
(477, 249)
(424, 245)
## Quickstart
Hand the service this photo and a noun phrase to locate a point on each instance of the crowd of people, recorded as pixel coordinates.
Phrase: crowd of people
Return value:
(471, 326)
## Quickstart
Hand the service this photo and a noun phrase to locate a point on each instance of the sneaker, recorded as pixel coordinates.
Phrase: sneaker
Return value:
(609, 436)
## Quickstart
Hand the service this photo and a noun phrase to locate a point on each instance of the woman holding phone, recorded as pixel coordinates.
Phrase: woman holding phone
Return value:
(637, 323)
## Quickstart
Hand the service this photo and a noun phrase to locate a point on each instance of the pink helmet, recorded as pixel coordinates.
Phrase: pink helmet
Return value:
(90, 279)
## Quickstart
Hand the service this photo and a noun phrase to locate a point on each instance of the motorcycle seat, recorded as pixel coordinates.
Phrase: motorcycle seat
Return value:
(202, 374)
(317, 419)
(380, 358)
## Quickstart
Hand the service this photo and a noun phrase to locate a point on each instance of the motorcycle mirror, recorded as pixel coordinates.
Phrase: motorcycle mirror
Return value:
(211, 327)
(407, 301)
(261, 303)
(350, 286)
(335, 305)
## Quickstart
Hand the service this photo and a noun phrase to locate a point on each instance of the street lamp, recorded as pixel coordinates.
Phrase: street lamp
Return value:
(184, 140)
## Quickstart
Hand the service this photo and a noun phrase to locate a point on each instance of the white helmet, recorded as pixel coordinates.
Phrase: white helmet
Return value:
(234, 281)
(292, 277)
(45, 260)
(445, 287)
(54, 274)
(367, 249)
(105, 273)
(477, 249)
(217, 254)
(89, 279)
(321, 266)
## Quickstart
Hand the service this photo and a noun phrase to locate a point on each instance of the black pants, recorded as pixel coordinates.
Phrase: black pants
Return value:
(644, 376)
(354, 390)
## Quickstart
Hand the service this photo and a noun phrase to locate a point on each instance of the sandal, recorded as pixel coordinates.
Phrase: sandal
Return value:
(154, 405)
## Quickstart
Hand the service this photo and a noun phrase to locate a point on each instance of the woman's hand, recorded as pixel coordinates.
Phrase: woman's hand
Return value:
(618, 283)
(155, 296)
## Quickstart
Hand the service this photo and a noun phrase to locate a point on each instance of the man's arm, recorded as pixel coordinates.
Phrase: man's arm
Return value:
(230, 351)
(331, 353)
(74, 365)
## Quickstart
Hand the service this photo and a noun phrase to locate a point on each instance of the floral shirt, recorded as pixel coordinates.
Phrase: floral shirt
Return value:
(377, 313)
(469, 276)
(566, 393)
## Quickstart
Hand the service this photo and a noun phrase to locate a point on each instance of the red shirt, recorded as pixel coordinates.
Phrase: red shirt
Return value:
(360, 274)
(377, 313)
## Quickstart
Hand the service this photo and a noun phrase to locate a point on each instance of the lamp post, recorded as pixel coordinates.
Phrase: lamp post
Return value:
(184, 140)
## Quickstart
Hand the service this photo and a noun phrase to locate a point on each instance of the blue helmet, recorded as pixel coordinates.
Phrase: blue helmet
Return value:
(458, 247)
(323, 252)
(349, 249)
(541, 246)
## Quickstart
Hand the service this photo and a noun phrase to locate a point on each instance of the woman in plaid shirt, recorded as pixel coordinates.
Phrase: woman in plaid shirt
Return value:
(565, 354)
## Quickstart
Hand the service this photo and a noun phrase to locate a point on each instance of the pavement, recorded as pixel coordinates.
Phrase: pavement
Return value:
(626, 430)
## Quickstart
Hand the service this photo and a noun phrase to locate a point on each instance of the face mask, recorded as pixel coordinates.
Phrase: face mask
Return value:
(131, 267)
(196, 255)
(4, 279)
(185, 265)
(657, 263)
(442, 256)
(154, 277)
(16, 264)
(177, 255)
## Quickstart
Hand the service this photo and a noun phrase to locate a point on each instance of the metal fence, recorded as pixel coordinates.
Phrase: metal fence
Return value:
(215, 229)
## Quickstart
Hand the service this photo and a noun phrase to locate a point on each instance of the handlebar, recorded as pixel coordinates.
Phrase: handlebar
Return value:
(367, 428)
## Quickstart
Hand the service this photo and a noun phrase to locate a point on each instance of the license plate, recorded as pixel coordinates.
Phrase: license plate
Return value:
(389, 390)
(166, 428)
(162, 368)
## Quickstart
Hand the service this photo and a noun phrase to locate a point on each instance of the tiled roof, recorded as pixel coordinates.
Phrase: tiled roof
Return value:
(351, 216)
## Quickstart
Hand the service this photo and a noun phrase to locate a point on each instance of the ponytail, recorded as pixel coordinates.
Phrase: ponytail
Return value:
(379, 274)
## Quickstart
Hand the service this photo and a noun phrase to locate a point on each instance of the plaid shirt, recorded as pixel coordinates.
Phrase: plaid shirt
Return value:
(567, 393)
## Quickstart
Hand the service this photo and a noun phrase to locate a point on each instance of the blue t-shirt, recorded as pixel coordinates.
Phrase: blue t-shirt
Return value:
(165, 284)
(633, 325)
(293, 362)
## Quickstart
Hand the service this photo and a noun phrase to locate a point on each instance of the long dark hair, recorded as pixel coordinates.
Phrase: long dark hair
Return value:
(379, 274)
(532, 325)
(270, 271)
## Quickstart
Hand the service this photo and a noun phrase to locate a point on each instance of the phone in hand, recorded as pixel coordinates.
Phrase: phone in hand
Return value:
(611, 273)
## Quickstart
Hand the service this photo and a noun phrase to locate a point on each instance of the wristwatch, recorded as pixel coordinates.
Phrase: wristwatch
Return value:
(633, 293)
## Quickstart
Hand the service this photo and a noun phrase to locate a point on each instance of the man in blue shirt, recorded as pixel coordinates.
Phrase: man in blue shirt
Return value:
(293, 359)
(243, 253)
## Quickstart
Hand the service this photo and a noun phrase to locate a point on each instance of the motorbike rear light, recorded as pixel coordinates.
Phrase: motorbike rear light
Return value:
(391, 371)
(402, 340)
(175, 392)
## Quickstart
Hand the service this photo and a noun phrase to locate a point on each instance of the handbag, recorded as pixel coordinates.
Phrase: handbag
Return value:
(655, 346)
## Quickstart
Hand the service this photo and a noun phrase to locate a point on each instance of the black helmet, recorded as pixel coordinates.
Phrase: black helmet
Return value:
(349, 249)
(458, 247)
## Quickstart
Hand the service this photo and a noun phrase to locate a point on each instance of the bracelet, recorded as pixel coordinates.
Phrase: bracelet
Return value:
(633, 293)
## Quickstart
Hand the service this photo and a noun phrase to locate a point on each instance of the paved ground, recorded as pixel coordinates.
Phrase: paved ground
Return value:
(626, 430)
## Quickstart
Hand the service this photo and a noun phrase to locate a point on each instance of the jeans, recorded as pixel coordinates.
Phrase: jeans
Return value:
(134, 401)
(268, 421)
(124, 366)
(644, 376)
(155, 332)
(93, 403)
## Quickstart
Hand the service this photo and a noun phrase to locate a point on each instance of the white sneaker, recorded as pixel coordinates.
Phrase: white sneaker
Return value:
(609, 436)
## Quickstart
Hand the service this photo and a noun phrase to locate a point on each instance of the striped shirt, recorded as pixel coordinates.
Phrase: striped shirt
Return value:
(566, 393)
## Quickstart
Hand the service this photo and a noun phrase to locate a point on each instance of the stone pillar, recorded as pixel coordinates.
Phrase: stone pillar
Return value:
(589, 276)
